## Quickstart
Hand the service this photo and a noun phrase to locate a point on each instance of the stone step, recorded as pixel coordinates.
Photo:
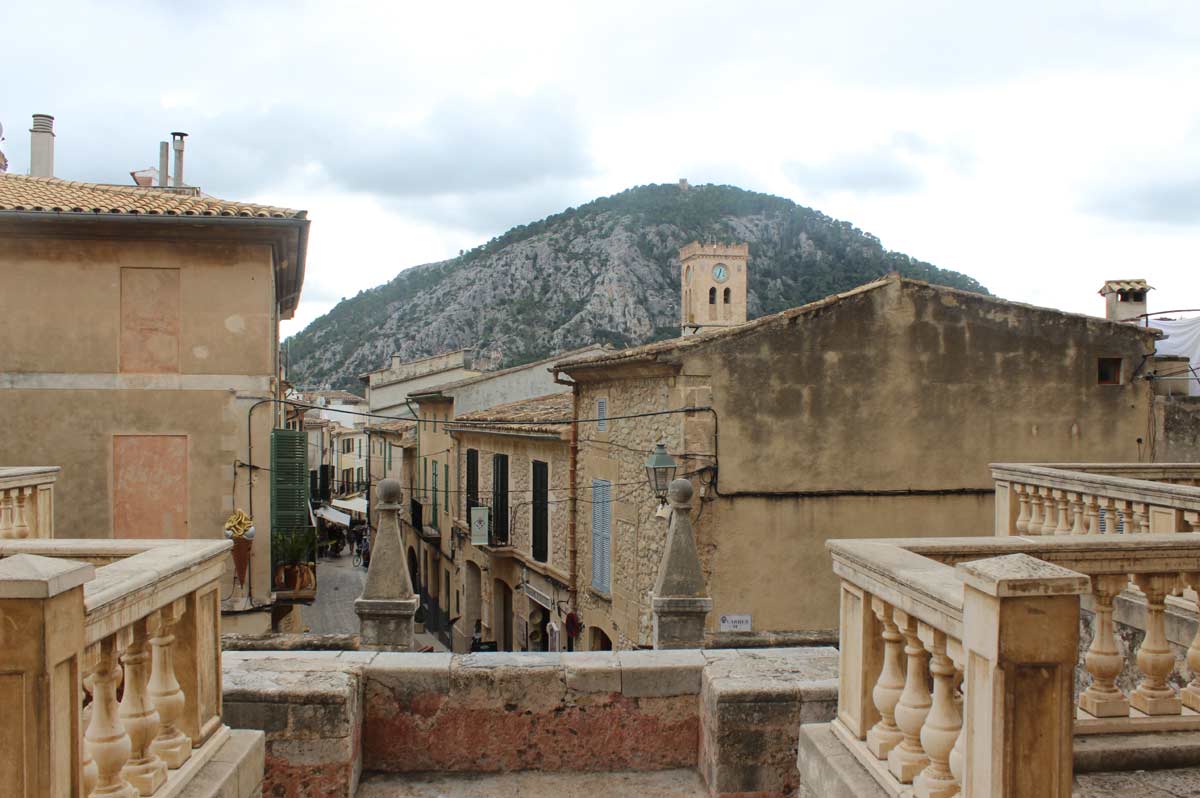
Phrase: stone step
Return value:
(533, 784)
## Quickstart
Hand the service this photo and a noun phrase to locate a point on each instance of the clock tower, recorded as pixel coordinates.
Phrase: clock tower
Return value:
(713, 286)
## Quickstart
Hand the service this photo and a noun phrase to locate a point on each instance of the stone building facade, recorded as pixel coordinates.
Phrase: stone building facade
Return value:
(873, 413)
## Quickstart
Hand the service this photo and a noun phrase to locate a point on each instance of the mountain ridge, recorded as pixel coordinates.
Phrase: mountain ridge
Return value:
(606, 271)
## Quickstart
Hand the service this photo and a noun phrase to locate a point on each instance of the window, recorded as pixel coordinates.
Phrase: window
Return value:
(1108, 371)
(602, 414)
(424, 475)
(541, 511)
(601, 535)
(500, 498)
(360, 478)
(472, 480)
(359, 446)
(712, 295)
(725, 296)
(446, 487)
(434, 521)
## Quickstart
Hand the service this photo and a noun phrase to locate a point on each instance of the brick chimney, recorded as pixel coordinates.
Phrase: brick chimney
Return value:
(1125, 300)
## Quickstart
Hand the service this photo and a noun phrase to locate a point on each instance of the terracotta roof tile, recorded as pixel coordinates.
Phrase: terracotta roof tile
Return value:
(526, 415)
(52, 195)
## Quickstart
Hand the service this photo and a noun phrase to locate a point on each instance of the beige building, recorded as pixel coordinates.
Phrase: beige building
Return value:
(873, 413)
(511, 584)
(389, 388)
(141, 340)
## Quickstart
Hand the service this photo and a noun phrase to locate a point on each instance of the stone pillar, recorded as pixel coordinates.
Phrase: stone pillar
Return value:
(386, 607)
(41, 647)
(679, 603)
(1020, 636)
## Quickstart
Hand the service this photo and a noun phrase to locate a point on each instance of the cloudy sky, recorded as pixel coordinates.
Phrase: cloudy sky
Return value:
(1039, 147)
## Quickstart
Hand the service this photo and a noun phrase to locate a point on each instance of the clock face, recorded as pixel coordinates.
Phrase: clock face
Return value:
(720, 273)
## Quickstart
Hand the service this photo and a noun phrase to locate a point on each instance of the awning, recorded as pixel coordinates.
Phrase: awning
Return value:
(358, 505)
(333, 516)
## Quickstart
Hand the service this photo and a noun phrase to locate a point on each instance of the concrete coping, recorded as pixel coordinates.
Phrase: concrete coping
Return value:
(28, 576)
(1021, 575)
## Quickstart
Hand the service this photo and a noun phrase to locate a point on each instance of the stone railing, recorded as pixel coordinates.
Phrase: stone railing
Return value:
(27, 501)
(145, 621)
(1096, 498)
(994, 624)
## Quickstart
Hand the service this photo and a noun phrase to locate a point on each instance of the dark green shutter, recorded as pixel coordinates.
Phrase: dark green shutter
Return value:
(289, 480)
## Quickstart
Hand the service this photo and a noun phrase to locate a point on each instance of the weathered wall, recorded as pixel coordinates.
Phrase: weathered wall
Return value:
(900, 388)
(67, 390)
(1178, 429)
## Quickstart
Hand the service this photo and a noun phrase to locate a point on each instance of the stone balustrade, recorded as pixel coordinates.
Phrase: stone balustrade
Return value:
(993, 625)
(27, 501)
(110, 674)
(1096, 498)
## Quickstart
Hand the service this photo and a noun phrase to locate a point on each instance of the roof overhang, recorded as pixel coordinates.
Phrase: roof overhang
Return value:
(288, 238)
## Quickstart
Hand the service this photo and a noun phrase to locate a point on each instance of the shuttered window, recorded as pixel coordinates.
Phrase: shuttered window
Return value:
(446, 487)
(472, 480)
(602, 415)
(541, 511)
(602, 535)
(289, 480)
(500, 498)
(434, 521)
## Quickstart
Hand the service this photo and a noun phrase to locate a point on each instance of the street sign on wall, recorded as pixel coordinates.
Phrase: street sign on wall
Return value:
(736, 623)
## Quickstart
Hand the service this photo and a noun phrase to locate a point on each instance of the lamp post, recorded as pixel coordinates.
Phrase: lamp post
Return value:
(660, 470)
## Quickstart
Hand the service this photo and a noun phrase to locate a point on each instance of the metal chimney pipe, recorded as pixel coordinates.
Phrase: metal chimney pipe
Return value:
(41, 146)
(177, 143)
(164, 161)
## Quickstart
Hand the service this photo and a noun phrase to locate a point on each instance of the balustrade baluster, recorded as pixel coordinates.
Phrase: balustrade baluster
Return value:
(1049, 511)
(1034, 526)
(1190, 695)
(885, 734)
(1127, 526)
(145, 770)
(1063, 505)
(1092, 513)
(5, 515)
(107, 742)
(1109, 520)
(171, 744)
(943, 723)
(959, 658)
(908, 758)
(1104, 661)
(1154, 658)
(87, 666)
(20, 499)
(1022, 525)
(1077, 515)
(1141, 523)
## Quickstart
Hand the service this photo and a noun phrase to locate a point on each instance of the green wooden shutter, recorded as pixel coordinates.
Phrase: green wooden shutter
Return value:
(289, 480)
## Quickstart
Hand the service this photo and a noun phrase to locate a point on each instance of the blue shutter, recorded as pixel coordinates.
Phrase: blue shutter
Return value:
(602, 415)
(602, 535)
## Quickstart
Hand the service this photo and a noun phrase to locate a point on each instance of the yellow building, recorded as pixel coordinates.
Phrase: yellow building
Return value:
(141, 340)
(873, 413)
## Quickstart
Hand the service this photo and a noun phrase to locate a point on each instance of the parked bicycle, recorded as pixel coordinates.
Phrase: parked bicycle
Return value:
(362, 546)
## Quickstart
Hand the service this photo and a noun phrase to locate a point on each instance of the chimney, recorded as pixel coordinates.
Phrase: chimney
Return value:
(1125, 300)
(177, 143)
(164, 161)
(41, 146)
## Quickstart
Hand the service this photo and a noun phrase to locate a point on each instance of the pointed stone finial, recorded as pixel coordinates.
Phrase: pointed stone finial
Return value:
(386, 607)
(680, 603)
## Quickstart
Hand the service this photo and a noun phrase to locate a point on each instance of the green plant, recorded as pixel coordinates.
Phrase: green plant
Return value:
(294, 546)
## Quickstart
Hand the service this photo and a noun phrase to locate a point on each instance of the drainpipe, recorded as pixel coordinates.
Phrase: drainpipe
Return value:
(572, 501)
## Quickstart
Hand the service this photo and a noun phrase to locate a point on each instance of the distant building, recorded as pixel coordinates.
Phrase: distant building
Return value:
(389, 388)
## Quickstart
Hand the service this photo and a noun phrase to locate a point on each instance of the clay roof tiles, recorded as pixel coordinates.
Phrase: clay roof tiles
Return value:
(526, 415)
(52, 195)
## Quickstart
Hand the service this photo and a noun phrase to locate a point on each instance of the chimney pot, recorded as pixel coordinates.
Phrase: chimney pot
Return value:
(177, 138)
(41, 146)
(164, 161)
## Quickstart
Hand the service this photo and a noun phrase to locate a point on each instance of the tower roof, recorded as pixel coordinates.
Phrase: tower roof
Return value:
(1113, 286)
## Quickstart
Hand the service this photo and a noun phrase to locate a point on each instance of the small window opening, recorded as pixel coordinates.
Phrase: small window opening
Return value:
(1109, 371)
(712, 295)
(725, 296)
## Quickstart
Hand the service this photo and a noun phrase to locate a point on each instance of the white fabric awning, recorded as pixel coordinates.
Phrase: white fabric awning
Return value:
(333, 516)
(358, 505)
(1183, 338)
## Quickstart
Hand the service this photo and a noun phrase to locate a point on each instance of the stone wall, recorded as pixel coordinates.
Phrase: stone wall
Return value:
(328, 716)
(1177, 429)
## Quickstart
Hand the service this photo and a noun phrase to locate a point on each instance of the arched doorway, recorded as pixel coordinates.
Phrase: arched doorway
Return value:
(473, 593)
(600, 641)
(502, 620)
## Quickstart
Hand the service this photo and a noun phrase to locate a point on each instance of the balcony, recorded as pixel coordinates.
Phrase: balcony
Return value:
(425, 520)
(139, 618)
(27, 501)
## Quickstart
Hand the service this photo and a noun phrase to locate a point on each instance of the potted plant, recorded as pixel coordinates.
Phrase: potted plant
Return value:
(293, 552)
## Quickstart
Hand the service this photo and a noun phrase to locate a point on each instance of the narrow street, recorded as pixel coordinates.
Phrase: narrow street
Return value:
(339, 583)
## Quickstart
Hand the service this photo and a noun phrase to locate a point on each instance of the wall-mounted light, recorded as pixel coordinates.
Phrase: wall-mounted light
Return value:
(660, 470)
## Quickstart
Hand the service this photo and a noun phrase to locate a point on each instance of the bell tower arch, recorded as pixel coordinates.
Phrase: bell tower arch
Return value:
(712, 286)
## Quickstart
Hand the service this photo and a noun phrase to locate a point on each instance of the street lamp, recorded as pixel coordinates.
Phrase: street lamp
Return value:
(660, 470)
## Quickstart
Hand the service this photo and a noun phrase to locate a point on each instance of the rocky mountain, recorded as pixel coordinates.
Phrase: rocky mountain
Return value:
(606, 271)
